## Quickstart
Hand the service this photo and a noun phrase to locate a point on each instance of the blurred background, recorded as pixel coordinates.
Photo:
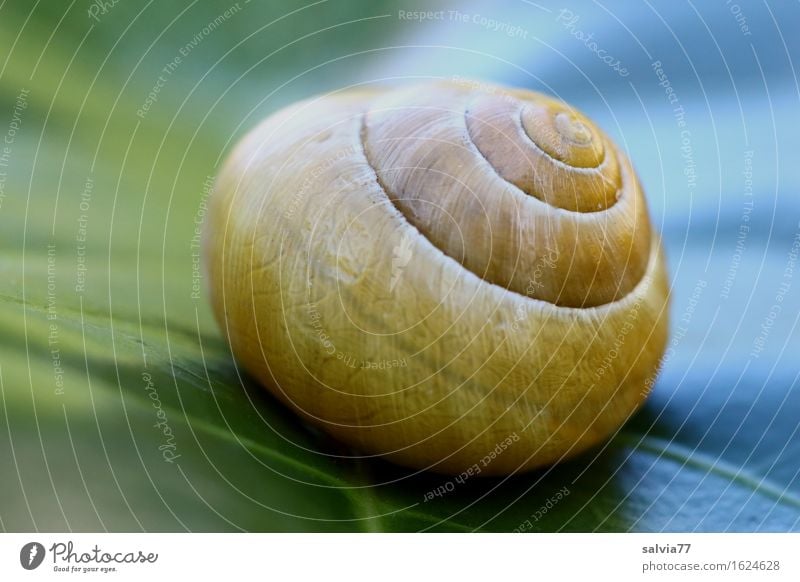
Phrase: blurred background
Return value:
(122, 408)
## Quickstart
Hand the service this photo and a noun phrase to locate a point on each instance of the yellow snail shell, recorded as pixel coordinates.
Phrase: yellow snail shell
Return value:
(446, 277)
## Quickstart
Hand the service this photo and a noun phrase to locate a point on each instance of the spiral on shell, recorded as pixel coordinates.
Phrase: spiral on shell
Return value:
(444, 276)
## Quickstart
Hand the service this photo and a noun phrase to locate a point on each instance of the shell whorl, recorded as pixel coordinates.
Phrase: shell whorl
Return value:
(425, 272)
(522, 190)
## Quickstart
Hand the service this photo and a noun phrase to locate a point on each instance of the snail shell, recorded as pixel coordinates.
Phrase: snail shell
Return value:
(443, 276)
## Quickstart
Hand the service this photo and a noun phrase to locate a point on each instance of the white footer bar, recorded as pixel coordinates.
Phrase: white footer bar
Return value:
(401, 557)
